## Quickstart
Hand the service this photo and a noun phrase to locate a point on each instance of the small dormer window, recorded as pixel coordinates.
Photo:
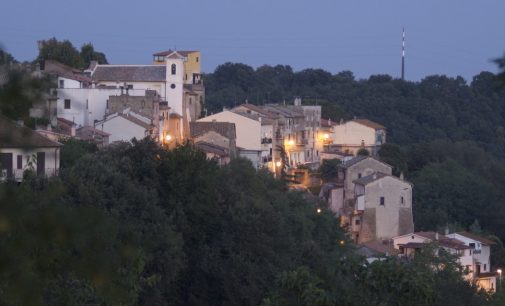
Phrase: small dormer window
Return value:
(174, 69)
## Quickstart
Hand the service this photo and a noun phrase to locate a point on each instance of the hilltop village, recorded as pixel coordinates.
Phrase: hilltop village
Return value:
(165, 102)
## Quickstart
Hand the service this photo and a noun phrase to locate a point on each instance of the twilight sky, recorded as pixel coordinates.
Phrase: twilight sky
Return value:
(452, 37)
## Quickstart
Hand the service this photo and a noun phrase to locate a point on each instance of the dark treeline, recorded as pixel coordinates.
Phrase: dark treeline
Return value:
(446, 135)
(139, 225)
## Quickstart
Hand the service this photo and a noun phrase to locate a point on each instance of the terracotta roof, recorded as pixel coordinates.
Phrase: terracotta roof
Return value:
(130, 73)
(370, 123)
(381, 246)
(168, 52)
(478, 238)
(225, 129)
(13, 135)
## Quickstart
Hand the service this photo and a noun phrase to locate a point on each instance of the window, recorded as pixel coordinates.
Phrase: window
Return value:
(87, 104)
(62, 83)
(130, 86)
(197, 59)
(402, 201)
(382, 201)
(359, 175)
(357, 221)
(20, 162)
(485, 267)
(107, 104)
(174, 69)
(472, 245)
(67, 104)
(172, 86)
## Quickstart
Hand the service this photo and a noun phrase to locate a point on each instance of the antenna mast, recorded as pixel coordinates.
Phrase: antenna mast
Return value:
(403, 54)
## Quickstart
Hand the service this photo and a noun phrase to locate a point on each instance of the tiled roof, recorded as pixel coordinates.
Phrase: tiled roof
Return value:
(137, 121)
(86, 132)
(168, 52)
(225, 129)
(212, 148)
(130, 73)
(477, 238)
(56, 68)
(443, 240)
(365, 180)
(285, 111)
(370, 123)
(353, 161)
(259, 109)
(14, 136)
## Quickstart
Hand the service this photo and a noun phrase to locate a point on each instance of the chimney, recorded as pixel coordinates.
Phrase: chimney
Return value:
(72, 130)
(447, 230)
(436, 236)
(401, 176)
(374, 176)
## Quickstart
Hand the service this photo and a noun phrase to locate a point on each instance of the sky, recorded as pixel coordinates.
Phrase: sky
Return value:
(451, 37)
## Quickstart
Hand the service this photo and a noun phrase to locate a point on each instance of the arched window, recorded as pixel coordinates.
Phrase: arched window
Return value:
(173, 69)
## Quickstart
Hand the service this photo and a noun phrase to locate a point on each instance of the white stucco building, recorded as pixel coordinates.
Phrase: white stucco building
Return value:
(23, 149)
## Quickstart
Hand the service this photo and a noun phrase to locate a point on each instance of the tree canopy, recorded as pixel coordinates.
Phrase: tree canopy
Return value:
(65, 52)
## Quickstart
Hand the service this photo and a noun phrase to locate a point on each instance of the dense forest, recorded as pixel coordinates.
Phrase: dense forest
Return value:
(135, 224)
(446, 135)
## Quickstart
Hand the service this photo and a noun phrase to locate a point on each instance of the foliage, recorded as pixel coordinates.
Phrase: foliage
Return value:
(61, 51)
(329, 169)
(6, 57)
(89, 54)
(19, 93)
(73, 149)
(395, 156)
(363, 152)
(64, 52)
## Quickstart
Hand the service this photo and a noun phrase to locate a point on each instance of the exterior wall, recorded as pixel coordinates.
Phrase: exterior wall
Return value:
(248, 131)
(336, 200)
(139, 86)
(121, 129)
(353, 133)
(253, 156)
(174, 96)
(69, 83)
(480, 254)
(388, 215)
(192, 66)
(404, 239)
(87, 104)
(365, 167)
(52, 160)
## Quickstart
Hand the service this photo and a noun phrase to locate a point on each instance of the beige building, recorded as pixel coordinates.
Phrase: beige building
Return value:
(371, 203)
(383, 208)
(353, 135)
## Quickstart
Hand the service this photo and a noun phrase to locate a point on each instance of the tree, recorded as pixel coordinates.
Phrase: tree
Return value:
(89, 54)
(363, 152)
(6, 57)
(73, 149)
(61, 51)
(329, 169)
(393, 155)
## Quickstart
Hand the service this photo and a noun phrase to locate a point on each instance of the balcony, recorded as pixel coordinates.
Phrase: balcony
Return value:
(266, 140)
(17, 174)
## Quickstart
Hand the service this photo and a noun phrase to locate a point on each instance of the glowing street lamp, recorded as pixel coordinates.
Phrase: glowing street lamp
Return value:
(168, 137)
(318, 210)
(291, 142)
(278, 163)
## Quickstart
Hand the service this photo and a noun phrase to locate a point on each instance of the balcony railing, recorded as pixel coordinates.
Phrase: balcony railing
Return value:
(17, 174)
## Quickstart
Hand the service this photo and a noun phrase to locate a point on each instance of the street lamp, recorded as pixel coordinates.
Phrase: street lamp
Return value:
(168, 138)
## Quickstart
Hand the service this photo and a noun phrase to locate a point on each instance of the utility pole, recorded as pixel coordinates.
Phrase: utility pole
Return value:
(403, 54)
